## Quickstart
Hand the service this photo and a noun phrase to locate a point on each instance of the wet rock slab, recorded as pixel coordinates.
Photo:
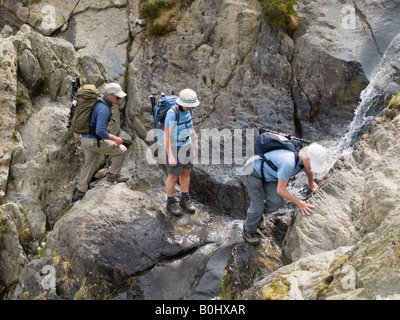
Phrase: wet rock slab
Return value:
(120, 243)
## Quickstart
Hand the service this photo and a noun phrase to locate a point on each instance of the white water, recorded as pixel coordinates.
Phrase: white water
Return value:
(383, 83)
(345, 146)
(359, 121)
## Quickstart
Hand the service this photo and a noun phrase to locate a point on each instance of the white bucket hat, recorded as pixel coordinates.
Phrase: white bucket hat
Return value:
(318, 157)
(188, 98)
(115, 88)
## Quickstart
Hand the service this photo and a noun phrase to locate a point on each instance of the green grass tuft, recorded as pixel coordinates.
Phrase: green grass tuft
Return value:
(280, 14)
(162, 16)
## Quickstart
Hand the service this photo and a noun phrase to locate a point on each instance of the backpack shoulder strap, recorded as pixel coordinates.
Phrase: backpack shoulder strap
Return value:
(99, 98)
(176, 110)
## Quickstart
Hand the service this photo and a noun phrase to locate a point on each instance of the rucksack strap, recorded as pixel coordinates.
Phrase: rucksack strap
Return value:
(177, 118)
(272, 166)
(176, 110)
(269, 162)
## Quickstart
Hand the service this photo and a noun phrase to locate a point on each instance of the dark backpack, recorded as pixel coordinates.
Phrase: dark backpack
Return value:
(268, 142)
(160, 111)
(163, 105)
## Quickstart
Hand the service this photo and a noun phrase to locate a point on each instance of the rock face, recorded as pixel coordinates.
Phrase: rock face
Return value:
(237, 82)
(8, 112)
(355, 231)
(119, 242)
(126, 234)
(37, 146)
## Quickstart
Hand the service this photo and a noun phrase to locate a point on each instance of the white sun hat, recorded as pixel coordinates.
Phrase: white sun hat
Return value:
(115, 88)
(318, 157)
(188, 98)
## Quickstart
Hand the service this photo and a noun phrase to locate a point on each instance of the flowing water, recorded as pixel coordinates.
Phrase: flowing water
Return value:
(366, 111)
(383, 85)
(360, 121)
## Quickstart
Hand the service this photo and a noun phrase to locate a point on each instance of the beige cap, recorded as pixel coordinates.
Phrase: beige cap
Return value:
(115, 88)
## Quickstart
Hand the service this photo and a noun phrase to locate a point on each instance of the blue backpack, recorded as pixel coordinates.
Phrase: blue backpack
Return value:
(164, 104)
(160, 111)
(269, 141)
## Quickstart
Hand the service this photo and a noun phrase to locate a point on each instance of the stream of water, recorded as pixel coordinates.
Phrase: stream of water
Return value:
(359, 122)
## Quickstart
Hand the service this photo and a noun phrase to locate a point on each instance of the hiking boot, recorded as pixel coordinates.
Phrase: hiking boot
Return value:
(263, 224)
(173, 207)
(250, 237)
(116, 177)
(78, 195)
(187, 204)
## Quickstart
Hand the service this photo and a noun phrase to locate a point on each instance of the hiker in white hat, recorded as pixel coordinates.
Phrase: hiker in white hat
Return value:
(317, 156)
(180, 146)
(269, 195)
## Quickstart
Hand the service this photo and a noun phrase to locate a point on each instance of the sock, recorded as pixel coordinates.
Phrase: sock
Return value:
(171, 198)
(184, 194)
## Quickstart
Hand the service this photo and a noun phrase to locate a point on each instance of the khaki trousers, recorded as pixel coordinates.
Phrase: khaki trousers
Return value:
(92, 156)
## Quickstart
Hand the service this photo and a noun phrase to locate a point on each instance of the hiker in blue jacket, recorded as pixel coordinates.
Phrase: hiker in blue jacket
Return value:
(102, 142)
(311, 158)
(180, 146)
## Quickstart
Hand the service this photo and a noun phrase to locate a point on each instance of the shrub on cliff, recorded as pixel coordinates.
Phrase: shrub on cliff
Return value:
(280, 14)
(162, 15)
(395, 102)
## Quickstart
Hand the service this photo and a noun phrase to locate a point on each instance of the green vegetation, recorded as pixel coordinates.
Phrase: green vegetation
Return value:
(324, 285)
(395, 102)
(83, 292)
(162, 15)
(393, 108)
(21, 227)
(3, 221)
(276, 290)
(90, 291)
(25, 234)
(352, 93)
(20, 98)
(280, 14)
(226, 292)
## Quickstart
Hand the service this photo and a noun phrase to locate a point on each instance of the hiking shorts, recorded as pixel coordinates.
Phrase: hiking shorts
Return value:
(184, 160)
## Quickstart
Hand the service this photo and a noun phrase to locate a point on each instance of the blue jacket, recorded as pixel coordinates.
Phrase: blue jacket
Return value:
(99, 119)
